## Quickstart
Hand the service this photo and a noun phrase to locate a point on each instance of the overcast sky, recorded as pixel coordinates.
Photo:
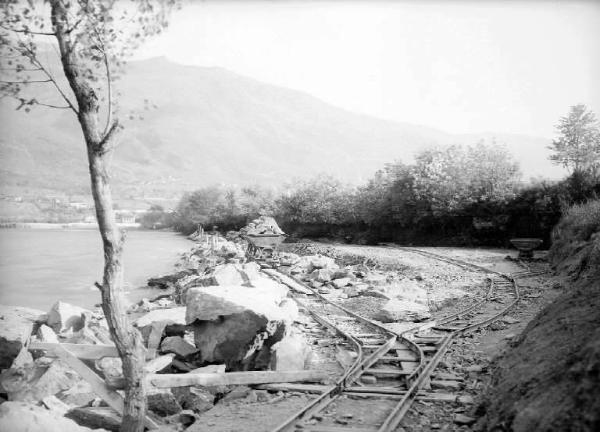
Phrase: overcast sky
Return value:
(464, 67)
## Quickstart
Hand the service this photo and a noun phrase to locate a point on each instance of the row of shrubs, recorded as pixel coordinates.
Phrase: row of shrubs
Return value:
(456, 196)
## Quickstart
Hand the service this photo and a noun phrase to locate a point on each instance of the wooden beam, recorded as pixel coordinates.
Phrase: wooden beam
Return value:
(111, 397)
(232, 378)
(84, 351)
(290, 387)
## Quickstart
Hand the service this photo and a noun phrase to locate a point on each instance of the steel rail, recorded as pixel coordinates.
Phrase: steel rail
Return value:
(354, 372)
(420, 375)
(402, 407)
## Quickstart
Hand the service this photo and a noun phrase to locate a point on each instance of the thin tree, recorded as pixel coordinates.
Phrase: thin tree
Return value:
(92, 39)
(577, 147)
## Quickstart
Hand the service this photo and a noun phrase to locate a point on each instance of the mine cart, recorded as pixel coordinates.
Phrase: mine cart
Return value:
(264, 246)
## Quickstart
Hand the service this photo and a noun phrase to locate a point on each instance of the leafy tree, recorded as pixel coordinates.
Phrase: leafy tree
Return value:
(450, 179)
(578, 146)
(92, 40)
(320, 200)
(156, 217)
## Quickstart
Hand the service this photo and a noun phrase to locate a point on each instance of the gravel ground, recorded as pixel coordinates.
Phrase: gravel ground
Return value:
(474, 351)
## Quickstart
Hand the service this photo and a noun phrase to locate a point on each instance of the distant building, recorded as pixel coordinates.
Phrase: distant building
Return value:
(79, 205)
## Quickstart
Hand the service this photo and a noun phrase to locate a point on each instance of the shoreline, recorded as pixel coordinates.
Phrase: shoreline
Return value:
(63, 226)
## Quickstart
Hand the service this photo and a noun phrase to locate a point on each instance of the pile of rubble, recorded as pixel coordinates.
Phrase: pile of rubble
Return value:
(402, 298)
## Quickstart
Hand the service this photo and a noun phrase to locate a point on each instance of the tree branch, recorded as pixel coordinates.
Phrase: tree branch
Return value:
(33, 59)
(52, 106)
(27, 31)
(106, 145)
(25, 82)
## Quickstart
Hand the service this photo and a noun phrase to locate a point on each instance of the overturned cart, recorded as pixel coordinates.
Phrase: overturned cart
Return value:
(263, 246)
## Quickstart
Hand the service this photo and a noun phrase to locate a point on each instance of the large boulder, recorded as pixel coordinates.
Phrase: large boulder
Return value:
(401, 310)
(237, 325)
(26, 417)
(16, 326)
(290, 353)
(65, 316)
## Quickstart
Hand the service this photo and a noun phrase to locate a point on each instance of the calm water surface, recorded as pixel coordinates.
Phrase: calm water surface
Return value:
(39, 267)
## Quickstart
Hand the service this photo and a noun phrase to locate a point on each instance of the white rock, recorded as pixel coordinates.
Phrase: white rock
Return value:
(407, 290)
(290, 310)
(321, 275)
(26, 417)
(212, 303)
(46, 334)
(290, 353)
(340, 283)
(402, 310)
(64, 316)
(172, 316)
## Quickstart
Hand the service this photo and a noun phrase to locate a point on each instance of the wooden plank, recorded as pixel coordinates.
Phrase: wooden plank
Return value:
(83, 351)
(426, 397)
(318, 428)
(290, 387)
(288, 281)
(111, 397)
(159, 363)
(233, 378)
(387, 372)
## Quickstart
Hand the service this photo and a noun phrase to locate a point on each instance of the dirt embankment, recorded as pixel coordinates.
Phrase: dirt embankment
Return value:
(550, 379)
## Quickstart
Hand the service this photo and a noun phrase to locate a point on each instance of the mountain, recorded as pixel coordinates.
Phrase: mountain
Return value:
(209, 125)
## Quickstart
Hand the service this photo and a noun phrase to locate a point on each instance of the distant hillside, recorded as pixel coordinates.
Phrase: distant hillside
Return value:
(213, 126)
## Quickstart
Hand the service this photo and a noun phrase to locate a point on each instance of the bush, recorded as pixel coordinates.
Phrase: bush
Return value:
(575, 250)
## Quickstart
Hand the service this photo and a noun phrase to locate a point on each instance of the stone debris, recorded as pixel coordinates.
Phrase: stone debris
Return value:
(262, 225)
(401, 310)
(290, 353)
(163, 402)
(172, 316)
(178, 346)
(462, 419)
(46, 334)
(16, 326)
(27, 417)
(64, 316)
(197, 399)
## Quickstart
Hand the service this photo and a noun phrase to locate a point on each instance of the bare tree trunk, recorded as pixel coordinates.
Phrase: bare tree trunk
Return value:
(99, 145)
(127, 339)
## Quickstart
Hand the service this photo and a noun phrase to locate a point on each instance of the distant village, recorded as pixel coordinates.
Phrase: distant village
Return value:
(73, 209)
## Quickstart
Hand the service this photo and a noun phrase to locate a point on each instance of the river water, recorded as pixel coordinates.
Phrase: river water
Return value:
(39, 267)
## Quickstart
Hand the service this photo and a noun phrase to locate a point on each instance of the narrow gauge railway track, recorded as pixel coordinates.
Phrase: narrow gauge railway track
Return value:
(402, 364)
(390, 358)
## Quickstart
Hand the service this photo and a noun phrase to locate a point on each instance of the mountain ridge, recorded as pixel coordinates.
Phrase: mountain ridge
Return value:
(212, 125)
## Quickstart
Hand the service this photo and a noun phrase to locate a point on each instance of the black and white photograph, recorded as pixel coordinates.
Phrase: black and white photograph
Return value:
(299, 215)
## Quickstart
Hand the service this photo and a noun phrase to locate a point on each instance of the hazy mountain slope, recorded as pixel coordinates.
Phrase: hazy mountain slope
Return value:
(210, 125)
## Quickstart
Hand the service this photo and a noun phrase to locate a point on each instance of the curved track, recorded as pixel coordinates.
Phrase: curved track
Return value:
(391, 368)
